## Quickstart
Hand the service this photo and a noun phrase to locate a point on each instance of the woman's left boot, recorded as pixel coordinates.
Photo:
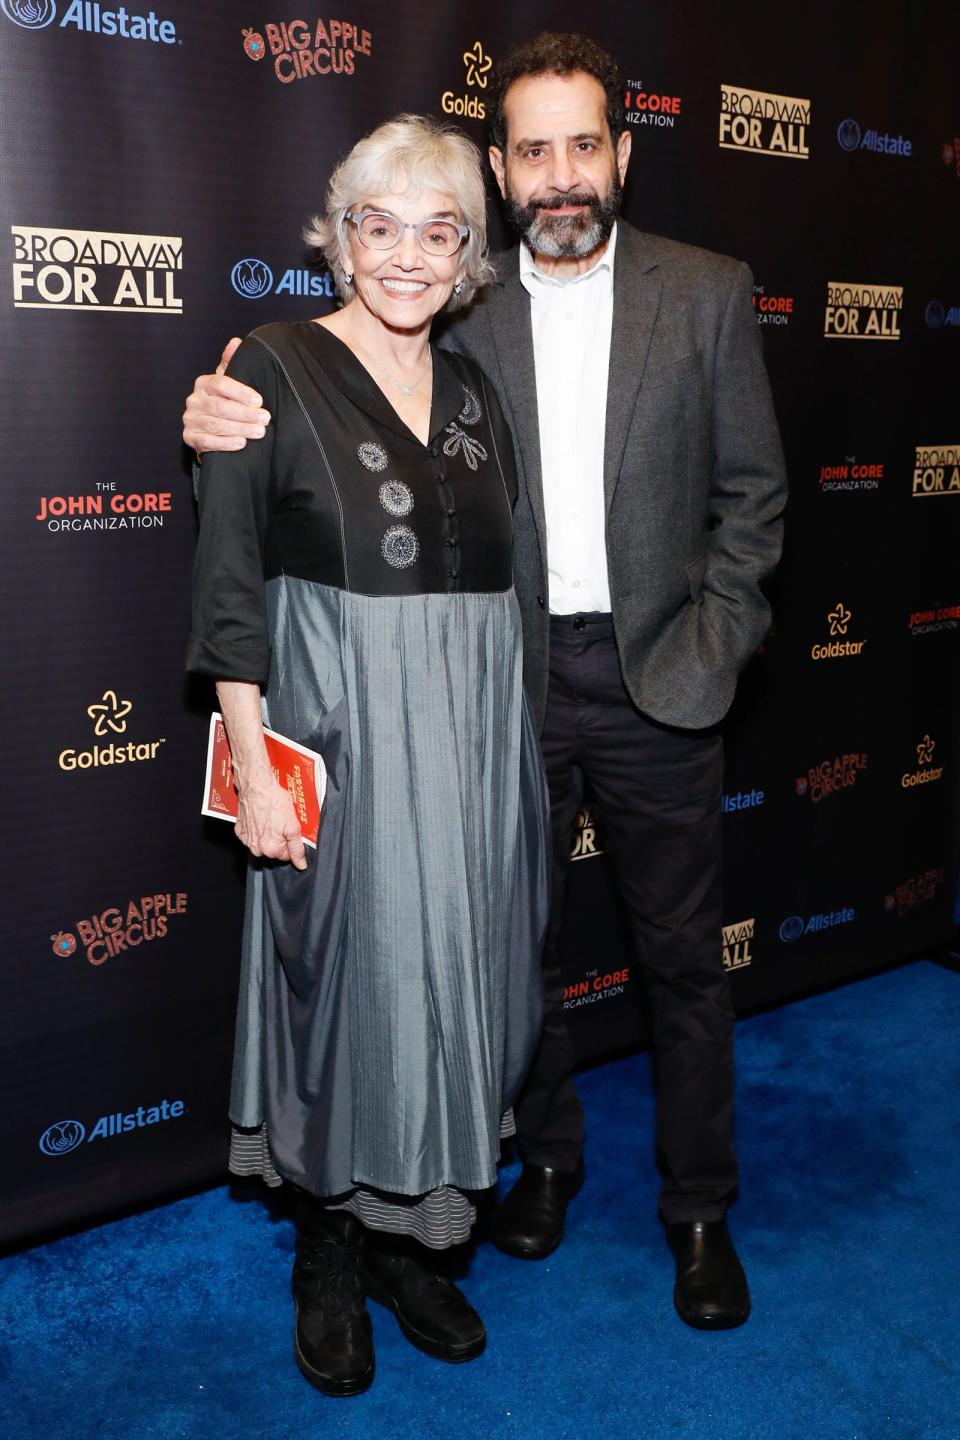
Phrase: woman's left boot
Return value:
(333, 1339)
(432, 1313)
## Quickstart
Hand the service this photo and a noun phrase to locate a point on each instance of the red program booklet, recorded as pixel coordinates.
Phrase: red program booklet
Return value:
(302, 771)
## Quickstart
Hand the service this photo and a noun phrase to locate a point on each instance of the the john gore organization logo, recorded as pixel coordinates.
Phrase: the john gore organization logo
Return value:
(838, 646)
(644, 105)
(469, 104)
(253, 279)
(109, 715)
(305, 49)
(90, 16)
(737, 940)
(121, 927)
(936, 470)
(762, 123)
(850, 474)
(796, 927)
(64, 1136)
(595, 986)
(850, 137)
(927, 771)
(934, 619)
(859, 311)
(105, 508)
(97, 270)
(831, 776)
(771, 309)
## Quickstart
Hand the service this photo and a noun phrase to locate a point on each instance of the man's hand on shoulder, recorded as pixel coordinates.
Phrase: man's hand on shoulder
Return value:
(222, 413)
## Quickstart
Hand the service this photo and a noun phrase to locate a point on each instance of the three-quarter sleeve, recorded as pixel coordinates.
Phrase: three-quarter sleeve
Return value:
(229, 638)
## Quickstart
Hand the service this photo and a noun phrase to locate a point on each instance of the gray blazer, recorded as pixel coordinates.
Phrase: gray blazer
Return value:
(694, 476)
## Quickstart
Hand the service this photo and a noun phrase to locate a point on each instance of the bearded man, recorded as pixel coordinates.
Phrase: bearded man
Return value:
(652, 487)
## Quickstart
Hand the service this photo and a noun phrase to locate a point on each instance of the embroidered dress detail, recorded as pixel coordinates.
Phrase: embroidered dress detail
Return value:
(472, 449)
(400, 547)
(396, 497)
(471, 413)
(373, 456)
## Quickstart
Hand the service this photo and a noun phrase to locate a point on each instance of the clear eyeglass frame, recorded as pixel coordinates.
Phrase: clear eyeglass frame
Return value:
(455, 234)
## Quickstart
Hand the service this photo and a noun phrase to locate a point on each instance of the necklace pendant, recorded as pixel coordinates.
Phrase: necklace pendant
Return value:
(406, 389)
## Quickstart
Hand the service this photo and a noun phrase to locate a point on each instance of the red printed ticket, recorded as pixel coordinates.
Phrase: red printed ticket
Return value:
(300, 770)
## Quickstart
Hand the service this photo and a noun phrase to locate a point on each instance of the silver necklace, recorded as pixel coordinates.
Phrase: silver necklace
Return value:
(389, 374)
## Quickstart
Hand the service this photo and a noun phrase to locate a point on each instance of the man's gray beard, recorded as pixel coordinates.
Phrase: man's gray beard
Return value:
(567, 237)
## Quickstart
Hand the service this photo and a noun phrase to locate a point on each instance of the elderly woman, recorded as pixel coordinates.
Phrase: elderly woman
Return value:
(353, 590)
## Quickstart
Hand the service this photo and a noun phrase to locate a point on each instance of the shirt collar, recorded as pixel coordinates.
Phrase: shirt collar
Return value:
(532, 278)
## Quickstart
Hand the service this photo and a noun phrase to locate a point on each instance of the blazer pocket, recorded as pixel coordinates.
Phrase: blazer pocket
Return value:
(696, 569)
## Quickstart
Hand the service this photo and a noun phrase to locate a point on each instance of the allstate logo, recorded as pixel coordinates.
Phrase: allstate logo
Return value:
(848, 134)
(791, 929)
(61, 1138)
(31, 14)
(935, 314)
(251, 279)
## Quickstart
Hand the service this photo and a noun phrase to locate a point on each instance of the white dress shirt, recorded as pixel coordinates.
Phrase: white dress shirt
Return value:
(572, 320)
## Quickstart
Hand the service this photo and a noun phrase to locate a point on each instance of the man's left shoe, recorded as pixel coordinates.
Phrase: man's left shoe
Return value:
(711, 1291)
(432, 1313)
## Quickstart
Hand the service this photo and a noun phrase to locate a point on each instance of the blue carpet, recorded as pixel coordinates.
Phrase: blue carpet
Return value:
(177, 1322)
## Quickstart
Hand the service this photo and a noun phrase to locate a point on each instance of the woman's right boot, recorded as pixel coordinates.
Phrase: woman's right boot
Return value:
(332, 1339)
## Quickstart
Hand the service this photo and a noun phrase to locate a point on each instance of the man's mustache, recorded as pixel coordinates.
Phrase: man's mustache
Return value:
(559, 202)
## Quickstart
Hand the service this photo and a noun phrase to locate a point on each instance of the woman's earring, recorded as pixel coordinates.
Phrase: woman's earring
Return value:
(458, 287)
(347, 279)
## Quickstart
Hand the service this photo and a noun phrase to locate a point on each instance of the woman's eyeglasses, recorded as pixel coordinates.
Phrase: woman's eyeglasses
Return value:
(379, 230)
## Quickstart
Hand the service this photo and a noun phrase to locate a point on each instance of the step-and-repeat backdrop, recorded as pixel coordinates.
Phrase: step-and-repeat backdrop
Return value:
(158, 166)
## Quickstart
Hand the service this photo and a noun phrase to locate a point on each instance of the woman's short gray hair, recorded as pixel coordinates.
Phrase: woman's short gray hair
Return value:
(411, 152)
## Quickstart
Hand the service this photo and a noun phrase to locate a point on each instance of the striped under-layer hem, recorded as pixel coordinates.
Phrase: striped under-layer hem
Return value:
(439, 1219)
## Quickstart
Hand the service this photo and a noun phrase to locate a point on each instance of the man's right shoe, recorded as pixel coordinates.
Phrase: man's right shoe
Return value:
(529, 1223)
(332, 1338)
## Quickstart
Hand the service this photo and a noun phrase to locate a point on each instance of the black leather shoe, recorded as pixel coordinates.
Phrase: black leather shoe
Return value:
(332, 1338)
(711, 1291)
(432, 1313)
(529, 1223)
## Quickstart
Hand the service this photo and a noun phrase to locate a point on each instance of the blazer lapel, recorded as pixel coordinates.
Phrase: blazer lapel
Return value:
(636, 301)
(512, 332)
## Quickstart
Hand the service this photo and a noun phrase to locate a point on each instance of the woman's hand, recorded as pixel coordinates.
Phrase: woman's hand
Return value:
(267, 823)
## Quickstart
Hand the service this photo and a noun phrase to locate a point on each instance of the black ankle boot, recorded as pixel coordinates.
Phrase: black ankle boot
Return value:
(432, 1313)
(332, 1339)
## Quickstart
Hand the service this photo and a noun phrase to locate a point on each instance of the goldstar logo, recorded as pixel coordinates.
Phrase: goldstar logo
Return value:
(586, 837)
(736, 941)
(926, 772)
(936, 470)
(596, 985)
(644, 106)
(476, 63)
(838, 621)
(851, 474)
(121, 927)
(106, 508)
(831, 776)
(305, 49)
(862, 312)
(95, 270)
(761, 123)
(109, 715)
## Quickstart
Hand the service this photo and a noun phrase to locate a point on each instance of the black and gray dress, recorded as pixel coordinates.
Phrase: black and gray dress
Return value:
(390, 994)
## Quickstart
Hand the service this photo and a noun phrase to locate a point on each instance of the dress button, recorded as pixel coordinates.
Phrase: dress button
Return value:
(451, 543)
(579, 623)
(452, 574)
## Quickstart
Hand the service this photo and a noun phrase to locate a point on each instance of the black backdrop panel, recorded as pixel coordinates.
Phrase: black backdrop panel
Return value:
(158, 170)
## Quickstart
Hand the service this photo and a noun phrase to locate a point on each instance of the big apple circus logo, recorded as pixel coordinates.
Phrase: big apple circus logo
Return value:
(109, 715)
(93, 18)
(919, 889)
(121, 927)
(829, 777)
(305, 49)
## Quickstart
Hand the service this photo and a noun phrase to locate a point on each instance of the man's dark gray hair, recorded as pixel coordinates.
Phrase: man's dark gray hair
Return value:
(556, 53)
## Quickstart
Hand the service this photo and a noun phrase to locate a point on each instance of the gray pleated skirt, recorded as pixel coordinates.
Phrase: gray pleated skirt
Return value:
(390, 995)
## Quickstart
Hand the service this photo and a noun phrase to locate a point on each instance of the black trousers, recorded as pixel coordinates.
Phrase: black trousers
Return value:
(659, 793)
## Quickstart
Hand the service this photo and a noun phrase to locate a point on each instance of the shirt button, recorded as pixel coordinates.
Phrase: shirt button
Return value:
(576, 584)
